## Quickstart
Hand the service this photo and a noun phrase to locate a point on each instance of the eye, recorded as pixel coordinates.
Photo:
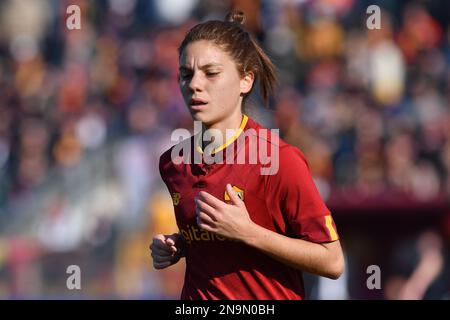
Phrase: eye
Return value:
(212, 74)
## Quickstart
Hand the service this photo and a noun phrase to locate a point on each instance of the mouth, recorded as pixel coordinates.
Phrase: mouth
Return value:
(197, 105)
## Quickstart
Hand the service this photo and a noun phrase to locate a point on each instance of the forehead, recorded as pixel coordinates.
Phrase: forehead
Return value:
(202, 53)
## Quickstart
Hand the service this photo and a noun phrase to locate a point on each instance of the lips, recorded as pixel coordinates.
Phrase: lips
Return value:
(197, 104)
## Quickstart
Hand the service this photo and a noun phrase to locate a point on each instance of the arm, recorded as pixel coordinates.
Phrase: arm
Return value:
(233, 221)
(324, 259)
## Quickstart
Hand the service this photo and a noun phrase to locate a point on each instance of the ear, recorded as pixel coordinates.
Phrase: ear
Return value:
(246, 82)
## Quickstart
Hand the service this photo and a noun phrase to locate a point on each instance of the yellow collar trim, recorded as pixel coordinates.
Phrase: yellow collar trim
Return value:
(230, 141)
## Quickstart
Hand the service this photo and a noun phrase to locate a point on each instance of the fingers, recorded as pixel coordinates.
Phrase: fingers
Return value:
(203, 218)
(160, 245)
(160, 262)
(205, 215)
(162, 252)
(161, 265)
(210, 200)
(233, 195)
(170, 242)
(174, 240)
(167, 251)
(202, 206)
(161, 258)
(205, 226)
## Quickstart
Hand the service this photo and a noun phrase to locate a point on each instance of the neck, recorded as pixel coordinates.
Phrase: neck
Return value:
(231, 122)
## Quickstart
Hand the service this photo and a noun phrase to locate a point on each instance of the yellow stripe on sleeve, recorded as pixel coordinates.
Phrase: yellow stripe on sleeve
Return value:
(331, 230)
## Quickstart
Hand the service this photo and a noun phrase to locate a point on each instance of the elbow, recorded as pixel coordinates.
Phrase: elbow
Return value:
(335, 273)
(336, 268)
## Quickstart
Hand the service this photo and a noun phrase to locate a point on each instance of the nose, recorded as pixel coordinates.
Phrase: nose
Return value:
(195, 84)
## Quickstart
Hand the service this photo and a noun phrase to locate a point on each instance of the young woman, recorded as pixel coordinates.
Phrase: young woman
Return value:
(245, 235)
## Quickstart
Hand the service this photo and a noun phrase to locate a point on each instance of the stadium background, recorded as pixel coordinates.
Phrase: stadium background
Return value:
(85, 114)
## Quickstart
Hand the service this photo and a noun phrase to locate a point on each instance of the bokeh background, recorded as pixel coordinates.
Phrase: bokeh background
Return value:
(85, 114)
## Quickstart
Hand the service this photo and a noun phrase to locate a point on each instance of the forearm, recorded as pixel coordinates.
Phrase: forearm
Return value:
(300, 254)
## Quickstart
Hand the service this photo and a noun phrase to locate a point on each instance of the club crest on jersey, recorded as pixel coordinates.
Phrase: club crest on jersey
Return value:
(239, 192)
(176, 198)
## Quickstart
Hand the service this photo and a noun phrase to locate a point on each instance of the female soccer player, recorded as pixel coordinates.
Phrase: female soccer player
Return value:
(244, 234)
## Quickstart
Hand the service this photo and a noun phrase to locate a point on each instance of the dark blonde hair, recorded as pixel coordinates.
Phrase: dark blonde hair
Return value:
(240, 45)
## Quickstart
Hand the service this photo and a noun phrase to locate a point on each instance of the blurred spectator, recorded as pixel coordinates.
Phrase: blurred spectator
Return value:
(419, 271)
(85, 114)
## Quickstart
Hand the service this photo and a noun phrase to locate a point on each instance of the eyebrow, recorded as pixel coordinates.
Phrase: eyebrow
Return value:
(206, 66)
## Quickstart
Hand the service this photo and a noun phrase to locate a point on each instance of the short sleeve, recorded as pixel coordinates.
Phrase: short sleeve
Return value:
(165, 164)
(298, 199)
(162, 163)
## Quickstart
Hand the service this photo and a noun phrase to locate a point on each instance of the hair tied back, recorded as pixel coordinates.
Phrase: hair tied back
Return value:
(235, 16)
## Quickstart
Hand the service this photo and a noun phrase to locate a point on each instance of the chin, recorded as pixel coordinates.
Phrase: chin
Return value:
(201, 116)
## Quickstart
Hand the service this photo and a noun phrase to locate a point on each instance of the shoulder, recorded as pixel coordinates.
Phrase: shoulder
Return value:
(284, 157)
(265, 136)
(168, 158)
(292, 164)
(290, 155)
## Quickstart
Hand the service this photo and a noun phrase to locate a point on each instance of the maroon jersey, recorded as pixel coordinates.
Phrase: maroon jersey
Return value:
(285, 201)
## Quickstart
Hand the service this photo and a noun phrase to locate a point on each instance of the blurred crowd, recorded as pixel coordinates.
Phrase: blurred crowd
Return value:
(369, 108)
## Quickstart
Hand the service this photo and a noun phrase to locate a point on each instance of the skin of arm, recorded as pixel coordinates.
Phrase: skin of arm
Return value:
(233, 221)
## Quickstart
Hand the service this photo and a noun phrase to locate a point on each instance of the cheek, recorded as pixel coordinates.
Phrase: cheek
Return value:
(228, 93)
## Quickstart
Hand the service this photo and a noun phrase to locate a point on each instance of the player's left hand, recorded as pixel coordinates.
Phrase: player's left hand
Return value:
(229, 220)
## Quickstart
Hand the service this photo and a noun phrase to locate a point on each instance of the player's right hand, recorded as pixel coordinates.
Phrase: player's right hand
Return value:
(166, 250)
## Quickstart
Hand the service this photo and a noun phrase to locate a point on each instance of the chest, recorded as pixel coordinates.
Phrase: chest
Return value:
(188, 182)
